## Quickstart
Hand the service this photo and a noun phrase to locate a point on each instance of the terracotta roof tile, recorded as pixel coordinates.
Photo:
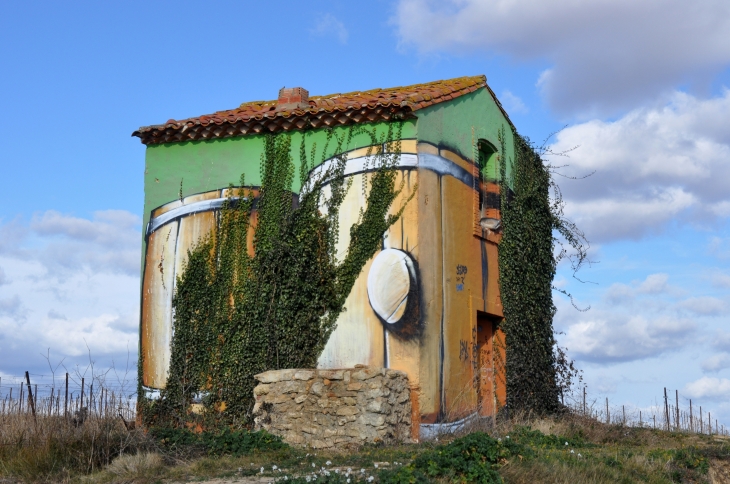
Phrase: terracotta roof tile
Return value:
(332, 110)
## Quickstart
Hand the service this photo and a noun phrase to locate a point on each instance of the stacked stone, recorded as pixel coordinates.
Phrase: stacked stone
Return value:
(328, 408)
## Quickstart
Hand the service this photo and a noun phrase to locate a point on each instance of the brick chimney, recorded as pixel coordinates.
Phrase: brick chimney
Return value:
(292, 98)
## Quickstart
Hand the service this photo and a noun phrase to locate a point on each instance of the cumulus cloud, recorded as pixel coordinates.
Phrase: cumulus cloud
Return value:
(13, 307)
(708, 387)
(716, 362)
(513, 104)
(328, 24)
(604, 55)
(651, 166)
(653, 284)
(720, 279)
(721, 341)
(71, 285)
(607, 337)
(704, 305)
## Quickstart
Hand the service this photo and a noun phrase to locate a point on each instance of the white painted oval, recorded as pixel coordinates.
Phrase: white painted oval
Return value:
(389, 283)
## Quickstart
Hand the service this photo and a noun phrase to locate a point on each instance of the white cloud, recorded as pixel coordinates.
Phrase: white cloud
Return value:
(651, 166)
(328, 24)
(607, 337)
(720, 279)
(512, 103)
(721, 341)
(708, 387)
(704, 305)
(605, 55)
(12, 307)
(3, 277)
(654, 284)
(716, 362)
(72, 285)
(719, 247)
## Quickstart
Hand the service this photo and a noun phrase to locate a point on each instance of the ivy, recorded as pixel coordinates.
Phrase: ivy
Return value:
(537, 370)
(237, 314)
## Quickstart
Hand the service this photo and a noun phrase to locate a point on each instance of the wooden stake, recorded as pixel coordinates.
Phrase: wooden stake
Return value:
(666, 408)
(65, 402)
(676, 395)
(31, 402)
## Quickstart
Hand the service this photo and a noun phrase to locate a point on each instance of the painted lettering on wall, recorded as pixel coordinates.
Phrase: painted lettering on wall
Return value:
(460, 277)
(463, 350)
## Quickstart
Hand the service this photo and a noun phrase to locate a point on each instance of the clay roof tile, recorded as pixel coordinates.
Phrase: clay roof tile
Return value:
(334, 109)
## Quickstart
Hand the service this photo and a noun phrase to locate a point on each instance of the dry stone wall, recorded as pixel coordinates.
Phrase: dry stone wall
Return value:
(334, 408)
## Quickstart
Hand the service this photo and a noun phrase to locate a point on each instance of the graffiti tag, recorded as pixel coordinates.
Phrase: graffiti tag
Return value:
(463, 350)
(460, 277)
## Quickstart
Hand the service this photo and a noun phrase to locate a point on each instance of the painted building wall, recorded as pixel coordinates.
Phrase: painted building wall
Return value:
(448, 268)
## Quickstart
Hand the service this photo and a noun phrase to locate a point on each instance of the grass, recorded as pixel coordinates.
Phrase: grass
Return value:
(530, 451)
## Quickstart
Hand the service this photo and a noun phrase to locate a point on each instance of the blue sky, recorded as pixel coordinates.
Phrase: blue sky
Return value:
(641, 86)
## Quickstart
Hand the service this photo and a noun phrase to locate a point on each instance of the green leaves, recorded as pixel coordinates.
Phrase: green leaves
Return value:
(526, 271)
(236, 315)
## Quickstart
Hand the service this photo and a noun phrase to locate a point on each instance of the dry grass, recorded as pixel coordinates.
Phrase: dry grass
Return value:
(53, 448)
(137, 467)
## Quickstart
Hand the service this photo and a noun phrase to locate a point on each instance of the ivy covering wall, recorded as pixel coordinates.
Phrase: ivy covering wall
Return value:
(536, 368)
(238, 313)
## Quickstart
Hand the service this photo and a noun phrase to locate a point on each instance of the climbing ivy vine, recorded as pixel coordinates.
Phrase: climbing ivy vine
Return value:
(537, 370)
(266, 295)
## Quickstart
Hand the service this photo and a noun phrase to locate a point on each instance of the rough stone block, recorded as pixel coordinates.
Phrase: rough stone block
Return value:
(345, 411)
(273, 376)
(331, 374)
(304, 375)
(367, 373)
(261, 390)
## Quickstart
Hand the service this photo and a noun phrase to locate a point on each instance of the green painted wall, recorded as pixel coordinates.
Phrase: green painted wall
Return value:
(450, 125)
(207, 165)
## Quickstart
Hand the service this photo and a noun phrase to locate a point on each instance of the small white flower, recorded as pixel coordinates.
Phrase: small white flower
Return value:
(499, 440)
(376, 465)
(328, 463)
(371, 479)
(309, 479)
(337, 471)
(262, 470)
(348, 480)
(579, 455)
(313, 464)
(508, 436)
(349, 469)
(572, 451)
(566, 443)
(362, 471)
(240, 469)
(273, 468)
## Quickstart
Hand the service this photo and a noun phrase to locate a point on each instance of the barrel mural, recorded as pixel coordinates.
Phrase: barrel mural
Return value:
(427, 303)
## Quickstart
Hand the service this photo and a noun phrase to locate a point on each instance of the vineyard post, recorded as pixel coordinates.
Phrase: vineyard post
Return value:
(691, 422)
(65, 402)
(82, 394)
(676, 396)
(31, 401)
(666, 408)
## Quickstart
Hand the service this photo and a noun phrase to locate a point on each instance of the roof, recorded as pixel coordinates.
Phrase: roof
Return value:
(318, 112)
